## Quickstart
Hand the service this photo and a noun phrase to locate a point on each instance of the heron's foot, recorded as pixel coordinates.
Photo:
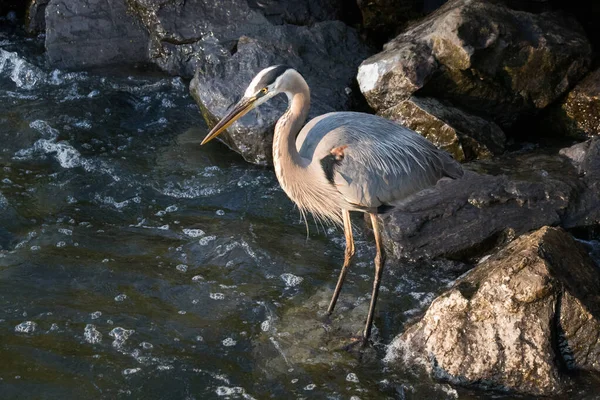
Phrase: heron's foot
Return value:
(356, 343)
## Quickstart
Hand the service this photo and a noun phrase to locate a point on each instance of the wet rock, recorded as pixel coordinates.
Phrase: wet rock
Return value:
(464, 218)
(511, 320)
(93, 32)
(584, 213)
(35, 20)
(483, 57)
(327, 55)
(579, 112)
(463, 135)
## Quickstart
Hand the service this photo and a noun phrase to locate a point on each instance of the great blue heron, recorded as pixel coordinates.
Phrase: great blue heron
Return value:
(341, 162)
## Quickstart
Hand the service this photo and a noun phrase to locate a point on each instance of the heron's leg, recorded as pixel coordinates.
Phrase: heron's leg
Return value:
(347, 257)
(379, 262)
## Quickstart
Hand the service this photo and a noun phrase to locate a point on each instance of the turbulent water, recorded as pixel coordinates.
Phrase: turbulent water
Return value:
(136, 264)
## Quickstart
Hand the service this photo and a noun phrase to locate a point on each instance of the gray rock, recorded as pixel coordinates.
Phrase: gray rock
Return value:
(93, 32)
(466, 217)
(463, 135)
(496, 327)
(327, 54)
(186, 35)
(483, 57)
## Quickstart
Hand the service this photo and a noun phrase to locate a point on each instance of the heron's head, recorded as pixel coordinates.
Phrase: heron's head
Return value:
(266, 84)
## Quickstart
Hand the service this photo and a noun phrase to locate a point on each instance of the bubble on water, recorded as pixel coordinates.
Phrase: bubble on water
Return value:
(197, 278)
(146, 346)
(265, 325)
(93, 93)
(310, 386)
(230, 391)
(199, 338)
(121, 297)
(163, 227)
(217, 296)
(354, 398)
(120, 335)
(194, 233)
(61, 244)
(26, 327)
(182, 268)
(228, 342)
(35, 248)
(130, 371)
(53, 328)
(65, 231)
(220, 212)
(164, 367)
(206, 240)
(171, 208)
(291, 280)
(181, 312)
(295, 380)
(91, 334)
(96, 314)
(351, 377)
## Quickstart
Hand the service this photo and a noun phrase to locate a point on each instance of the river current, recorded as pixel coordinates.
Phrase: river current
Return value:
(135, 263)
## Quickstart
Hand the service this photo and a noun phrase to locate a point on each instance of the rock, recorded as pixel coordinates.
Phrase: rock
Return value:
(327, 54)
(93, 32)
(481, 56)
(584, 213)
(465, 136)
(501, 326)
(35, 20)
(464, 218)
(579, 113)
(189, 34)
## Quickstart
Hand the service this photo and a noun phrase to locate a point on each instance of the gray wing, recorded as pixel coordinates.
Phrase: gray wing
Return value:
(375, 162)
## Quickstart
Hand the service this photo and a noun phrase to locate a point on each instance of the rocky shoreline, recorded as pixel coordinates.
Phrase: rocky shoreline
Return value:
(479, 78)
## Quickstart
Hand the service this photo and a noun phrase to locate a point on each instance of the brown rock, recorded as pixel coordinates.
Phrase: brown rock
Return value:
(463, 135)
(498, 326)
(579, 113)
(482, 56)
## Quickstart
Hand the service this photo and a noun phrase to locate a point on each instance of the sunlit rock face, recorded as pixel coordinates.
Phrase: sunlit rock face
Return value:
(483, 57)
(513, 320)
(578, 115)
(461, 134)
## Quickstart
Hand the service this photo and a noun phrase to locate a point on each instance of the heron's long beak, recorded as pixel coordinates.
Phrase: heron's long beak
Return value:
(240, 109)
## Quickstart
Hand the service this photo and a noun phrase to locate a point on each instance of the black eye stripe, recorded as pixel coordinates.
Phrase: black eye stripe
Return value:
(270, 77)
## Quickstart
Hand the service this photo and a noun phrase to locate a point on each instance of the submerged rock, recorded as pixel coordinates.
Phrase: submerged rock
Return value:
(512, 320)
(463, 135)
(483, 57)
(93, 32)
(327, 54)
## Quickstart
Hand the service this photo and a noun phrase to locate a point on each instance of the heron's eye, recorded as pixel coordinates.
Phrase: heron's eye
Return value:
(264, 90)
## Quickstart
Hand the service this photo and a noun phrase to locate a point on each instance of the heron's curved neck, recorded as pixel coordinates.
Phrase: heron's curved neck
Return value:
(285, 153)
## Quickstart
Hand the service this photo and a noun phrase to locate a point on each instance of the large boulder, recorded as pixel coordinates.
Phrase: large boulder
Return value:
(514, 320)
(505, 198)
(483, 57)
(93, 32)
(35, 19)
(327, 54)
(186, 35)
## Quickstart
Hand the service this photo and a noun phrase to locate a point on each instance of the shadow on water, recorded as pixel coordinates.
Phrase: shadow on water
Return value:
(136, 264)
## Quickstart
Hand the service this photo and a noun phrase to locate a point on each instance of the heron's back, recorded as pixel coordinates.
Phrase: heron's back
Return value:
(382, 162)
